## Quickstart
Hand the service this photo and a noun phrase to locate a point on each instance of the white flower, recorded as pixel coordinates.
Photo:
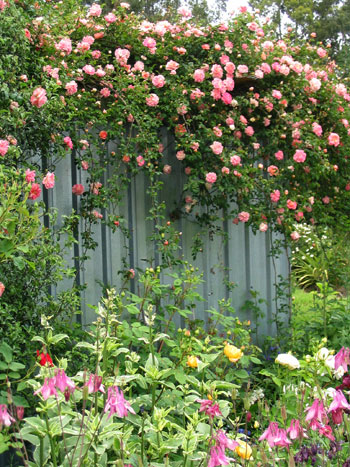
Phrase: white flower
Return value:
(288, 360)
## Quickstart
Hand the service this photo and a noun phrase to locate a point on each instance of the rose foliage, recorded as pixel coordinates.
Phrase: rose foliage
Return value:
(256, 121)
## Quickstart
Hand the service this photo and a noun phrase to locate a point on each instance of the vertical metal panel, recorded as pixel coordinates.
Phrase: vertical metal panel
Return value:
(243, 260)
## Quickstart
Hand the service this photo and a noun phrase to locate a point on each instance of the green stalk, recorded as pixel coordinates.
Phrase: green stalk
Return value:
(52, 443)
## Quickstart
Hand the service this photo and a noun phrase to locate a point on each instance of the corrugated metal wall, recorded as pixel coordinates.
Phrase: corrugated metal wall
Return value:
(243, 259)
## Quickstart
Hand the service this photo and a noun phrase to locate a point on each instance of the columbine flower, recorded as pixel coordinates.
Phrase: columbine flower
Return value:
(288, 360)
(44, 359)
(117, 404)
(337, 406)
(295, 430)
(95, 384)
(48, 389)
(5, 417)
(62, 382)
(342, 359)
(270, 434)
(209, 408)
(316, 414)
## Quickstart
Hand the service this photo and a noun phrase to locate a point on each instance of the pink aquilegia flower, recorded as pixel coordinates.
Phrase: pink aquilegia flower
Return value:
(316, 414)
(48, 389)
(39, 97)
(281, 439)
(4, 146)
(209, 408)
(337, 406)
(342, 359)
(270, 434)
(295, 430)
(117, 404)
(5, 418)
(62, 382)
(218, 457)
(95, 384)
(326, 431)
(49, 180)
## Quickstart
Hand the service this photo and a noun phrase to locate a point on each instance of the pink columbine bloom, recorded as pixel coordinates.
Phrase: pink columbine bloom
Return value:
(209, 408)
(49, 180)
(95, 384)
(63, 382)
(326, 431)
(4, 146)
(281, 438)
(337, 406)
(316, 414)
(30, 176)
(117, 404)
(5, 418)
(218, 457)
(295, 430)
(270, 434)
(48, 389)
(38, 98)
(342, 359)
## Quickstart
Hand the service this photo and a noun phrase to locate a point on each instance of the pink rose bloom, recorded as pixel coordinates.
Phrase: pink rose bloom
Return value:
(35, 191)
(272, 170)
(235, 160)
(242, 69)
(279, 155)
(225, 170)
(71, 88)
(275, 196)
(65, 45)
(321, 52)
(95, 10)
(158, 81)
(30, 176)
(199, 76)
(84, 165)
(217, 71)
(226, 98)
(243, 120)
(317, 129)
(110, 18)
(249, 131)
(78, 189)
(96, 54)
(340, 89)
(122, 55)
(180, 155)
(276, 94)
(263, 227)
(315, 84)
(167, 169)
(172, 66)
(38, 98)
(326, 200)
(229, 84)
(140, 161)
(184, 12)
(49, 180)
(244, 216)
(105, 92)
(217, 147)
(259, 74)
(333, 139)
(211, 177)
(230, 68)
(149, 42)
(291, 204)
(68, 142)
(299, 155)
(152, 100)
(89, 69)
(95, 187)
(4, 146)
(2, 288)
(295, 236)
(97, 214)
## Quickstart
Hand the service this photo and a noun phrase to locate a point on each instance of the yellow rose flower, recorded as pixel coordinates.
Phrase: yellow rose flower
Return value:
(243, 450)
(192, 361)
(232, 353)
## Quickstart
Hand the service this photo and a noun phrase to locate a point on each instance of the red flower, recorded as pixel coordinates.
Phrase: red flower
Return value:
(103, 134)
(44, 358)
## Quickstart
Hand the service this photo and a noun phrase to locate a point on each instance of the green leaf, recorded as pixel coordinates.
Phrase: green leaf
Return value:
(6, 350)
(243, 374)
(57, 338)
(180, 376)
(15, 366)
(19, 262)
(3, 366)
